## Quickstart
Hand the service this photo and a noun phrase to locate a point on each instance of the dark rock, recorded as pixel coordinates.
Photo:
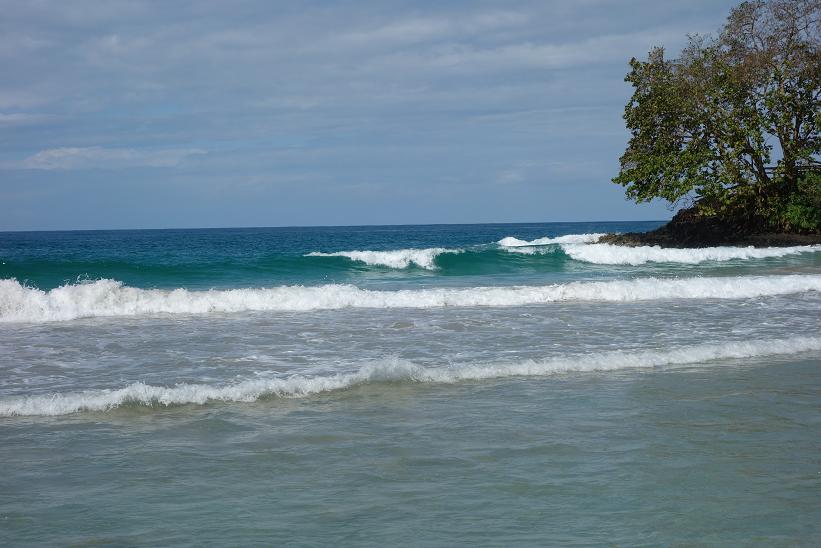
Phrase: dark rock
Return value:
(687, 229)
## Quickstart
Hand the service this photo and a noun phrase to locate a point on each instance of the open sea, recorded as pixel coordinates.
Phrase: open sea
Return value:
(481, 385)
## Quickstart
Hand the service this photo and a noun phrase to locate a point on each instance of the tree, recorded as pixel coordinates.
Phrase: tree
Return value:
(706, 126)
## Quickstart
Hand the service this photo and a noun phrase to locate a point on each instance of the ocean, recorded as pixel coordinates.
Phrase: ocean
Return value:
(482, 385)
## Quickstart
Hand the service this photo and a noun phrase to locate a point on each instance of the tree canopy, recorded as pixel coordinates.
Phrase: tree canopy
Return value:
(709, 124)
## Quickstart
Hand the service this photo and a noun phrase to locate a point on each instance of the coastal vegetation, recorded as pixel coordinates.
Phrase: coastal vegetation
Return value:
(729, 129)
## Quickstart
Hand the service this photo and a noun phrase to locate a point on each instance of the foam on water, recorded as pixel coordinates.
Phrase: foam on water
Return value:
(19, 303)
(583, 247)
(624, 255)
(394, 370)
(532, 250)
(398, 258)
(511, 241)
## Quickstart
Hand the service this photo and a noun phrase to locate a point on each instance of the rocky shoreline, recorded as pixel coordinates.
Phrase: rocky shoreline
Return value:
(687, 230)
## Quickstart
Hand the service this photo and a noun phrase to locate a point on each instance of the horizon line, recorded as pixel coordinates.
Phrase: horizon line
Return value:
(318, 226)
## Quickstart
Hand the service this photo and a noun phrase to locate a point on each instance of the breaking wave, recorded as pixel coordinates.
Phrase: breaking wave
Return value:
(583, 247)
(20, 303)
(399, 258)
(533, 250)
(510, 241)
(393, 370)
(623, 255)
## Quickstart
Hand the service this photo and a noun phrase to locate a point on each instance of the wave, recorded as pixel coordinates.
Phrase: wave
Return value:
(534, 250)
(394, 370)
(623, 255)
(543, 255)
(19, 303)
(399, 258)
(511, 241)
(583, 247)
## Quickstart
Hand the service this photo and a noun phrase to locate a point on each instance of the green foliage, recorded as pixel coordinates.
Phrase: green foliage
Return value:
(703, 126)
(801, 210)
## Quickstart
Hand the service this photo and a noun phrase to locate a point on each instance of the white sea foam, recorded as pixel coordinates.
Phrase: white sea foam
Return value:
(532, 250)
(19, 303)
(617, 254)
(583, 247)
(394, 370)
(511, 241)
(397, 258)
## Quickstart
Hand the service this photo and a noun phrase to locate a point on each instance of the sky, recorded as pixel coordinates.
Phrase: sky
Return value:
(143, 114)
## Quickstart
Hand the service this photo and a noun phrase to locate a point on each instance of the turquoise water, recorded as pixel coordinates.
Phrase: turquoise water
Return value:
(250, 257)
(424, 385)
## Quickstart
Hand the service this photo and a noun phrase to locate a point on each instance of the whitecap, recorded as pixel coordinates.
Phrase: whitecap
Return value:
(395, 370)
(513, 242)
(397, 258)
(625, 255)
(19, 303)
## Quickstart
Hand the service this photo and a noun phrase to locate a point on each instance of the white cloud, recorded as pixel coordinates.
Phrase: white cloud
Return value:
(15, 98)
(16, 119)
(467, 58)
(106, 158)
(511, 175)
(413, 30)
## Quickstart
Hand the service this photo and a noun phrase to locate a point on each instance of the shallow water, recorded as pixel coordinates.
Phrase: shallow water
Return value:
(228, 387)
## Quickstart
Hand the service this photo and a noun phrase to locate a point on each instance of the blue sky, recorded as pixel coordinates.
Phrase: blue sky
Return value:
(136, 114)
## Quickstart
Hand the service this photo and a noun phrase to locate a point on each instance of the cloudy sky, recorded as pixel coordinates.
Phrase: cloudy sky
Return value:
(138, 114)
